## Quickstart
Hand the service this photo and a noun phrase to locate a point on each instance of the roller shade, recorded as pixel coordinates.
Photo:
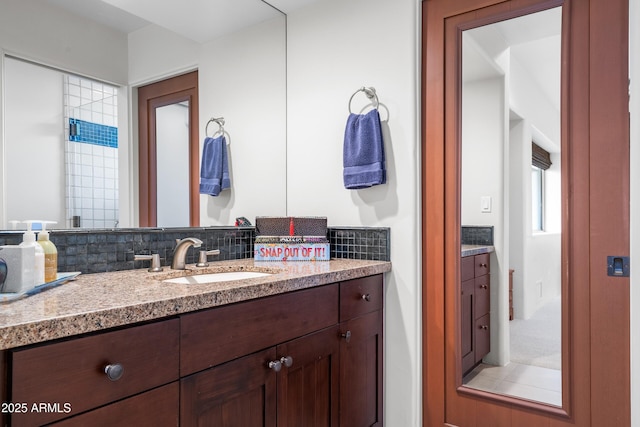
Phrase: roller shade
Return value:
(540, 157)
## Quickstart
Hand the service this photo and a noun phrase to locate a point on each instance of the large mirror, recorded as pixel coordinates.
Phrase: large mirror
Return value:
(511, 208)
(238, 49)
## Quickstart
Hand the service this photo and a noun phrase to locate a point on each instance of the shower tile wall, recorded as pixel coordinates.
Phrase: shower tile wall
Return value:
(91, 153)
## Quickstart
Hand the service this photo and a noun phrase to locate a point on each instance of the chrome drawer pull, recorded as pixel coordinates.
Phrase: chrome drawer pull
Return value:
(287, 361)
(275, 365)
(114, 371)
(483, 265)
(483, 327)
(346, 336)
(483, 286)
(366, 297)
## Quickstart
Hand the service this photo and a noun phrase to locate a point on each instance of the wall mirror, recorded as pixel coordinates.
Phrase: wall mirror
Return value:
(510, 186)
(239, 52)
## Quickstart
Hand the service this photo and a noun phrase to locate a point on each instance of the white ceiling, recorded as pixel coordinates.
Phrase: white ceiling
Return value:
(532, 40)
(198, 20)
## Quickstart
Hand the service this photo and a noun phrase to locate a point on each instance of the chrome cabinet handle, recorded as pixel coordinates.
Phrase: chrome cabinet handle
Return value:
(366, 297)
(114, 371)
(484, 287)
(275, 365)
(346, 336)
(287, 361)
(483, 265)
(483, 327)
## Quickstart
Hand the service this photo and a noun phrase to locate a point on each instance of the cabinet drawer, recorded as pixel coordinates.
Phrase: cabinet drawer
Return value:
(481, 264)
(360, 296)
(73, 372)
(467, 268)
(158, 408)
(214, 336)
(482, 295)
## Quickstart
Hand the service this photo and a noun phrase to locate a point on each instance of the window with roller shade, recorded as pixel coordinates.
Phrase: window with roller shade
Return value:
(540, 161)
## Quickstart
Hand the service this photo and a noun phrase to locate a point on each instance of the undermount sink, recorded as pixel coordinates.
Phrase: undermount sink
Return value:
(217, 277)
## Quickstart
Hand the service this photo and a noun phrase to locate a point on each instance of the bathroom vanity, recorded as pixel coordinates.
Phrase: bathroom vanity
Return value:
(475, 304)
(303, 343)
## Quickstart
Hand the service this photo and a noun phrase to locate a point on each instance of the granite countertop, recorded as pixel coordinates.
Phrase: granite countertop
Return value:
(94, 302)
(469, 250)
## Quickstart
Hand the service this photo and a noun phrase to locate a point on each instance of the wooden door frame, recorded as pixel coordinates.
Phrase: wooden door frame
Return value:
(595, 147)
(151, 96)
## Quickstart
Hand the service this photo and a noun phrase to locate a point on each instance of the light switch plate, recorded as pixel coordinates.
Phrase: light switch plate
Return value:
(485, 204)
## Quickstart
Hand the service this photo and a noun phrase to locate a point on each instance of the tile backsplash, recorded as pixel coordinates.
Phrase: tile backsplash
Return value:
(477, 235)
(97, 251)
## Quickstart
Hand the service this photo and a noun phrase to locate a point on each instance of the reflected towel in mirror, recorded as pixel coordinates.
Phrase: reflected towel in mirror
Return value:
(214, 171)
(363, 153)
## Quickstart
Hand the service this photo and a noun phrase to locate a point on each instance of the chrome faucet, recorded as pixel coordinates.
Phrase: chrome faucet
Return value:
(180, 253)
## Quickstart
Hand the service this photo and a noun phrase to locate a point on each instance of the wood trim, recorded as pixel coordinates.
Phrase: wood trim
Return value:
(595, 46)
(165, 92)
(609, 210)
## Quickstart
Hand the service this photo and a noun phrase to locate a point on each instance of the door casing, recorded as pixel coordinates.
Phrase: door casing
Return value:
(595, 143)
(170, 91)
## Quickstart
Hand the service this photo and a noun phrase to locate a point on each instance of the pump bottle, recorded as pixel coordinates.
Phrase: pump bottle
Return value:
(29, 239)
(50, 254)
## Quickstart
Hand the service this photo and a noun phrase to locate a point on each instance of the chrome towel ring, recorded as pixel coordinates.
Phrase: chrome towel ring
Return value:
(217, 120)
(371, 94)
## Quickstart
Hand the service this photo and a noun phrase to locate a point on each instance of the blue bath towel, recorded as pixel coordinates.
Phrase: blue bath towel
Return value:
(363, 153)
(214, 171)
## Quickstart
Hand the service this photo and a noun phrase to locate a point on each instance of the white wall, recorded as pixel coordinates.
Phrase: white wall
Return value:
(484, 149)
(243, 79)
(34, 166)
(334, 48)
(42, 33)
(634, 9)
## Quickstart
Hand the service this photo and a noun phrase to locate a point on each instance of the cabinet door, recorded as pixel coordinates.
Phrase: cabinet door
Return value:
(482, 337)
(467, 332)
(240, 393)
(308, 390)
(361, 371)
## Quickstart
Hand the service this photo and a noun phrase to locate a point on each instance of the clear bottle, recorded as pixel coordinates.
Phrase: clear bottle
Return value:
(50, 254)
(29, 239)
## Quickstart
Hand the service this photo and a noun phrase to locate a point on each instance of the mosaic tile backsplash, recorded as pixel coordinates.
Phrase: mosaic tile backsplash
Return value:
(98, 251)
(477, 235)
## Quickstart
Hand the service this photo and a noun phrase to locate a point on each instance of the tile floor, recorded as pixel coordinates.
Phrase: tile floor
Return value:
(524, 381)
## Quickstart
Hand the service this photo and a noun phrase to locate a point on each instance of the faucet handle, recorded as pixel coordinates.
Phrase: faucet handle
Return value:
(155, 261)
(202, 261)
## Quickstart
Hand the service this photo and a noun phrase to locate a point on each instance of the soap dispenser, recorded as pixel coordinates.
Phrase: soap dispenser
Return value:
(29, 240)
(50, 253)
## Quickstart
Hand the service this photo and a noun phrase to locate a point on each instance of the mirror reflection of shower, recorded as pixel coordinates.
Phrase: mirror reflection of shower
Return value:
(511, 153)
(91, 150)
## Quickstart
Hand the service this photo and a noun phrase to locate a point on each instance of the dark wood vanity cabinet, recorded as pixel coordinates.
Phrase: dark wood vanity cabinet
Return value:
(306, 358)
(361, 352)
(475, 309)
(322, 367)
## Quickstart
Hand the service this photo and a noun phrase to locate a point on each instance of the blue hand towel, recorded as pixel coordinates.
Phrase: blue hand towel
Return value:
(363, 154)
(214, 171)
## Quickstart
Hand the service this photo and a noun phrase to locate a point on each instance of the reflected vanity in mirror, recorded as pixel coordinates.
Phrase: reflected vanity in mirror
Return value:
(510, 304)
